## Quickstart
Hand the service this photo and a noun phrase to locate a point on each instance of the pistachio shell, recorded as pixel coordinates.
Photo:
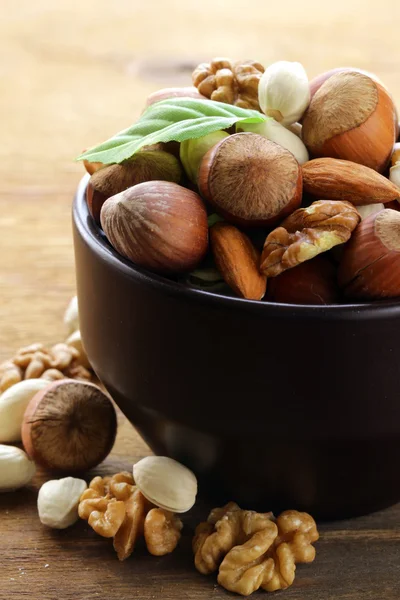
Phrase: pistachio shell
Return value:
(166, 483)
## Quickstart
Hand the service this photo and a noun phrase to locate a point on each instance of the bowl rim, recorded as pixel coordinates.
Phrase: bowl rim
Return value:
(98, 243)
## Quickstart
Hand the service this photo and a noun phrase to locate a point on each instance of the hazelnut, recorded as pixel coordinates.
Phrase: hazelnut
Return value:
(250, 180)
(143, 166)
(158, 225)
(370, 264)
(311, 282)
(337, 124)
(69, 426)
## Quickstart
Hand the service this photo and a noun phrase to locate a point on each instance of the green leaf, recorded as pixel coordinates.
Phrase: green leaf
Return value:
(175, 119)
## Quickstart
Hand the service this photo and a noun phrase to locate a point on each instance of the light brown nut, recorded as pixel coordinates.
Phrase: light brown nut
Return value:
(52, 375)
(233, 83)
(107, 518)
(268, 557)
(345, 180)
(121, 485)
(306, 233)
(10, 374)
(238, 261)
(162, 531)
(63, 355)
(36, 367)
(213, 540)
(132, 526)
(245, 567)
(297, 532)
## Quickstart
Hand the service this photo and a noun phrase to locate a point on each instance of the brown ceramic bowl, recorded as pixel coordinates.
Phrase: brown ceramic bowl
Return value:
(272, 405)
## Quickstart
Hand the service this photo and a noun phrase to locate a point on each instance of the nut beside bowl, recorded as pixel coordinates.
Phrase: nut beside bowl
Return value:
(270, 404)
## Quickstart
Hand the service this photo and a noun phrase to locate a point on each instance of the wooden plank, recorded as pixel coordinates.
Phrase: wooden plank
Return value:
(71, 76)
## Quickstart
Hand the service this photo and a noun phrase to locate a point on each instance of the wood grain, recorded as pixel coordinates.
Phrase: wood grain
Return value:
(72, 74)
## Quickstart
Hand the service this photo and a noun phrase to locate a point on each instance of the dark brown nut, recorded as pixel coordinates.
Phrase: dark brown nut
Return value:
(143, 166)
(311, 282)
(370, 265)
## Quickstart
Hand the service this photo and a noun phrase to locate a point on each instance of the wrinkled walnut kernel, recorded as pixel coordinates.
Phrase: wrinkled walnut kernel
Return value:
(36, 361)
(162, 531)
(252, 550)
(232, 83)
(115, 507)
(306, 233)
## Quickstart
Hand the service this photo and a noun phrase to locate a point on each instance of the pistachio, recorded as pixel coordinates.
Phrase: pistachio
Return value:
(166, 483)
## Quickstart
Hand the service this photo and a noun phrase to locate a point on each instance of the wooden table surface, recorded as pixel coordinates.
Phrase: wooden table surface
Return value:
(71, 74)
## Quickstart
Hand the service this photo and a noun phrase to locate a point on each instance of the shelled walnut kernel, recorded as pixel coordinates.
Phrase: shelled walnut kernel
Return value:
(115, 507)
(253, 550)
(61, 361)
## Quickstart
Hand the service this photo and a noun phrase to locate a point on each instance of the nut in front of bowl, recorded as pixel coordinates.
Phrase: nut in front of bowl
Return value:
(258, 147)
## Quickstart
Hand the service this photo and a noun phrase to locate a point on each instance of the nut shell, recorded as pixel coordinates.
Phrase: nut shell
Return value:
(166, 483)
(157, 225)
(311, 282)
(143, 166)
(250, 180)
(338, 125)
(370, 265)
(69, 426)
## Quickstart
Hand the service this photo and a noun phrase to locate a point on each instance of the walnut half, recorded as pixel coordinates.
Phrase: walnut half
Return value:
(115, 507)
(306, 233)
(223, 80)
(252, 550)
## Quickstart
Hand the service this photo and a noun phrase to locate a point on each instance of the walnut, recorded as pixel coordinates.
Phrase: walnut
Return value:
(36, 361)
(115, 507)
(224, 528)
(306, 233)
(162, 531)
(132, 526)
(253, 551)
(232, 83)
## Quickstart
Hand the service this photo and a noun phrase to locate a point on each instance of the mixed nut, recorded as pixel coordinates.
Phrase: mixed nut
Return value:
(284, 168)
(69, 426)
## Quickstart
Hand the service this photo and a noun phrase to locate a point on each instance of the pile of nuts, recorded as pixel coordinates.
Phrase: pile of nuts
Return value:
(70, 426)
(300, 208)
(64, 421)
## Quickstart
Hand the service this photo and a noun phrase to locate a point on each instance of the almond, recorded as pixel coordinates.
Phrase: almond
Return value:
(238, 261)
(335, 179)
